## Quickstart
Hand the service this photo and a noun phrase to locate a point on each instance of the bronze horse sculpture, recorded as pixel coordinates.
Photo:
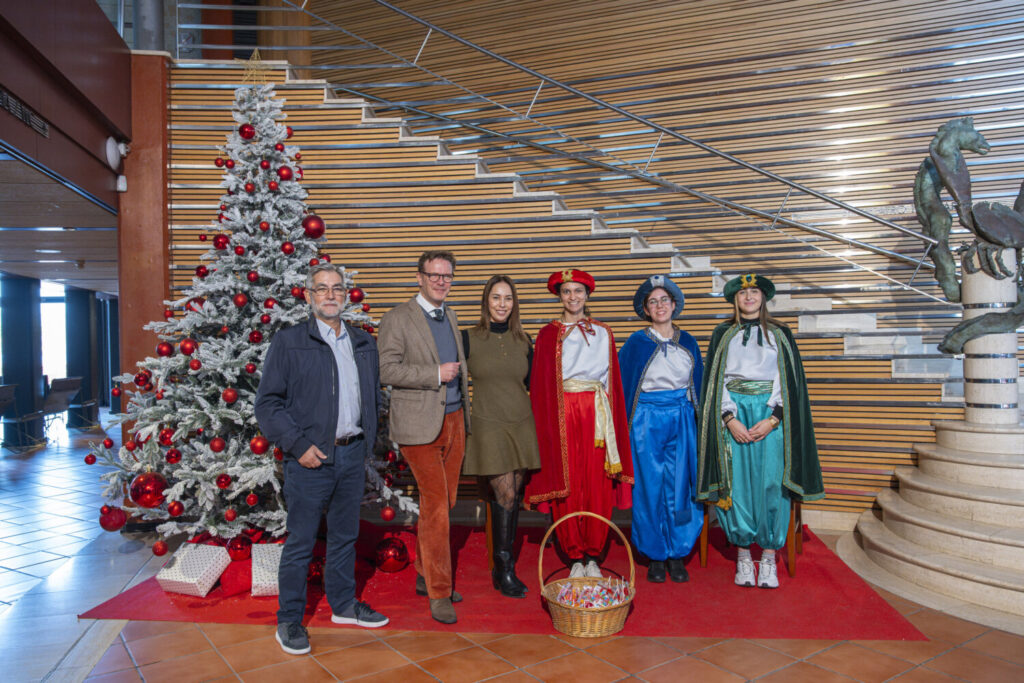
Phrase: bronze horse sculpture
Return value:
(995, 226)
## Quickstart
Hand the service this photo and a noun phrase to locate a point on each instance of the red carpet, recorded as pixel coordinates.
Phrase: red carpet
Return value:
(825, 600)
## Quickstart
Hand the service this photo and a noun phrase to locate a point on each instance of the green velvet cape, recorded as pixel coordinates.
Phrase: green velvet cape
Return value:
(802, 471)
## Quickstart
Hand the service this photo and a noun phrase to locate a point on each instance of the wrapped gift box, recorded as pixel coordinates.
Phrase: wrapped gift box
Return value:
(266, 557)
(193, 569)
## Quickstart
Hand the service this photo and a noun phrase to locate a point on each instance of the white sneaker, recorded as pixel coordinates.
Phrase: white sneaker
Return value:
(593, 571)
(767, 575)
(745, 572)
(577, 571)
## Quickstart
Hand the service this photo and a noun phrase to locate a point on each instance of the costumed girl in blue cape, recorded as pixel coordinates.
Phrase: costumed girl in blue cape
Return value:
(661, 377)
(756, 437)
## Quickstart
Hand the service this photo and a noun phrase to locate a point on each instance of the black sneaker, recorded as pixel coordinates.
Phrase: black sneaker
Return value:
(293, 638)
(360, 614)
(677, 570)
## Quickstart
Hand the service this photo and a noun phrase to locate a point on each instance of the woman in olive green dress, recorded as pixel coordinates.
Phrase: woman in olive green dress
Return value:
(502, 444)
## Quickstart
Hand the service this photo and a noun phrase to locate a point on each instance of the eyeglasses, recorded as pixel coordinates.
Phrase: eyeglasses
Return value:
(663, 301)
(337, 290)
(438, 277)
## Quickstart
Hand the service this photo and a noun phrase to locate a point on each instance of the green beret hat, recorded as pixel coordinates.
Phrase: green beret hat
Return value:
(749, 280)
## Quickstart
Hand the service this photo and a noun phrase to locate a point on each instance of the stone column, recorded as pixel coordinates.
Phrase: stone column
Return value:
(990, 362)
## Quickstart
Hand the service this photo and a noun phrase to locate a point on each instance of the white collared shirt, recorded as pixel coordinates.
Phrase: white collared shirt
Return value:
(348, 379)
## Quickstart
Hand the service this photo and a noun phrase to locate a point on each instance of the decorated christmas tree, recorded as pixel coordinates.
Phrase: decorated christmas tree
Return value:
(195, 460)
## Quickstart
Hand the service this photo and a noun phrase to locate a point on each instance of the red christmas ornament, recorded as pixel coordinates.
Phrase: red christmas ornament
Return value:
(366, 308)
(90, 459)
(230, 163)
(264, 226)
(220, 218)
(392, 555)
(196, 304)
(288, 131)
(247, 131)
(326, 258)
(387, 513)
(298, 155)
(279, 147)
(115, 392)
(223, 207)
(255, 337)
(230, 395)
(230, 514)
(252, 276)
(313, 226)
(272, 186)
(252, 499)
(298, 292)
(391, 456)
(239, 250)
(188, 346)
(284, 173)
(269, 302)
(168, 313)
(259, 445)
(217, 445)
(164, 349)
(278, 454)
(172, 456)
(224, 329)
(314, 262)
(220, 241)
(113, 519)
(108, 443)
(389, 479)
(147, 489)
(147, 372)
(141, 380)
(356, 295)
(175, 508)
(250, 187)
(105, 510)
(160, 394)
(218, 162)
(160, 548)
(202, 238)
(264, 164)
(194, 364)
(288, 248)
(202, 271)
(223, 481)
(265, 318)
(239, 547)
(240, 299)
(149, 386)
(166, 436)
(250, 368)
(199, 430)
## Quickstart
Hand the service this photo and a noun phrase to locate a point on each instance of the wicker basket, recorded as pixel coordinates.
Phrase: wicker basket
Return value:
(585, 622)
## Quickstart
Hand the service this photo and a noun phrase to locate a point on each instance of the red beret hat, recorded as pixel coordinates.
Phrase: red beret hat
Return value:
(570, 275)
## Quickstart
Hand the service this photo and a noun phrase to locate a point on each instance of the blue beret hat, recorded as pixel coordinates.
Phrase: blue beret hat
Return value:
(649, 285)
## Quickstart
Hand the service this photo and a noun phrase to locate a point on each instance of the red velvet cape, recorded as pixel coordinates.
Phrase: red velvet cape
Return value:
(552, 481)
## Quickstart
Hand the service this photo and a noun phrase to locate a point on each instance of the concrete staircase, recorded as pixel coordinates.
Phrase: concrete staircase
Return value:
(952, 537)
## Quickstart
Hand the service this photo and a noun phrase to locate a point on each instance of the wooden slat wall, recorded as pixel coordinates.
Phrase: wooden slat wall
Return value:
(846, 103)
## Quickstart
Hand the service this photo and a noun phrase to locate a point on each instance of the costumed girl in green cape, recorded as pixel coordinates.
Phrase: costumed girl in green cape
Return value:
(756, 447)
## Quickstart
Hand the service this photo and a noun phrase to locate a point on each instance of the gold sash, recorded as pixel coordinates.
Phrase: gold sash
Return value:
(604, 424)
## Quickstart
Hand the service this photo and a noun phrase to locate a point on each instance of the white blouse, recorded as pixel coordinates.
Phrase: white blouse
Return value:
(667, 370)
(586, 358)
(752, 362)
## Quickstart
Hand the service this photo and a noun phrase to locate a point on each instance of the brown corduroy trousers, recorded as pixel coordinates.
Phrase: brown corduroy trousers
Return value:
(436, 466)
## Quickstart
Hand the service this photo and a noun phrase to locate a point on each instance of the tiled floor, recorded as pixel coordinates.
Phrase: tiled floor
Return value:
(48, 502)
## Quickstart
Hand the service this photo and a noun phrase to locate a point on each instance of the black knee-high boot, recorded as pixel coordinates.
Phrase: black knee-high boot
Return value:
(512, 536)
(504, 574)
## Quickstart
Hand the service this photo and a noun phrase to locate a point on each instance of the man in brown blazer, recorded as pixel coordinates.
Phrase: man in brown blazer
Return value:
(422, 358)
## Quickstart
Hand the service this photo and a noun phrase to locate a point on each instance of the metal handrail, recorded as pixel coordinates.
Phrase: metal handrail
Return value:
(658, 127)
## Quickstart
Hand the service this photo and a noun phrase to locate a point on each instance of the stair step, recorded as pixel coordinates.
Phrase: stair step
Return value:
(979, 541)
(969, 436)
(982, 584)
(967, 501)
(1005, 470)
(849, 550)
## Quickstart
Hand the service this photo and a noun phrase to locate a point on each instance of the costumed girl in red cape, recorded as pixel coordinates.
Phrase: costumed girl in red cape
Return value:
(580, 413)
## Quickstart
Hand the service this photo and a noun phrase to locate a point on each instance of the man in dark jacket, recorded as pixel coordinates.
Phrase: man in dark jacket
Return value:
(318, 401)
